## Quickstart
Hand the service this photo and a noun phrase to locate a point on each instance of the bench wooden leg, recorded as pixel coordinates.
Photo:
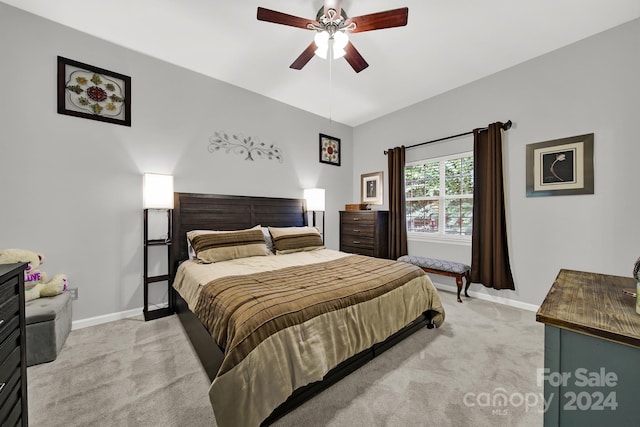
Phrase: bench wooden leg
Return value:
(458, 277)
(467, 276)
(459, 283)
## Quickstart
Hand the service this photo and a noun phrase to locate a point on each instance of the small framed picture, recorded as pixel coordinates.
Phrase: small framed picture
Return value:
(371, 188)
(560, 167)
(93, 93)
(329, 150)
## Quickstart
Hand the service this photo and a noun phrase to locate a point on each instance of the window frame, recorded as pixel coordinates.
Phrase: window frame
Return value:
(440, 236)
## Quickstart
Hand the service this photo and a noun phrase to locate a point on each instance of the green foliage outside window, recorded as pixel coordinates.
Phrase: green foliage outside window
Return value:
(439, 196)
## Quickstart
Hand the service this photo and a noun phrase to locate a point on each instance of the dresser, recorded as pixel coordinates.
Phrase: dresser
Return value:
(13, 361)
(591, 373)
(364, 233)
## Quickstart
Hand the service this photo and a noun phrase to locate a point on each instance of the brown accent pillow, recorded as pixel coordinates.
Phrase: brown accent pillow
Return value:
(295, 239)
(215, 246)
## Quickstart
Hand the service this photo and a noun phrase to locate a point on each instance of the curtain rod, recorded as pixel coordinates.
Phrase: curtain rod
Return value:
(505, 126)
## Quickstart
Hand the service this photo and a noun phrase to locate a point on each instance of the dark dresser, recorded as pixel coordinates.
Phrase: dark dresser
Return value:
(13, 361)
(364, 233)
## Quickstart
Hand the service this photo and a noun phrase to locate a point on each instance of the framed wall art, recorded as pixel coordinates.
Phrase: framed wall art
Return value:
(371, 188)
(329, 150)
(560, 167)
(93, 93)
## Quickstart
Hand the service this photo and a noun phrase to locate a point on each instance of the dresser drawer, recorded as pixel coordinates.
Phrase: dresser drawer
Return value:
(9, 289)
(8, 327)
(356, 229)
(12, 407)
(355, 218)
(9, 310)
(9, 298)
(358, 250)
(8, 382)
(15, 417)
(10, 344)
(357, 241)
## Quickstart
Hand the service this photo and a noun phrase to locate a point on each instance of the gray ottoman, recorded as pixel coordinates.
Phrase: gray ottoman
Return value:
(48, 322)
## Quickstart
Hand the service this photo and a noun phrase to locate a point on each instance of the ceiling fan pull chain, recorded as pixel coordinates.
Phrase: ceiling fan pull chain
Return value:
(330, 57)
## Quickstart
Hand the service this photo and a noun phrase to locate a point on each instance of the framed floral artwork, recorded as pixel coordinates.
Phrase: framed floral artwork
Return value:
(93, 93)
(329, 150)
(560, 167)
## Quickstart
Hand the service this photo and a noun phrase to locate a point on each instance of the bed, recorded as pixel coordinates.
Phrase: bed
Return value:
(303, 318)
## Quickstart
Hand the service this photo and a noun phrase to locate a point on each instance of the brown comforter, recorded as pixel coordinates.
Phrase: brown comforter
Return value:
(286, 328)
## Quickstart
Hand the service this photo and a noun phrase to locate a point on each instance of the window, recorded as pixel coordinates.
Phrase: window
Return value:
(439, 196)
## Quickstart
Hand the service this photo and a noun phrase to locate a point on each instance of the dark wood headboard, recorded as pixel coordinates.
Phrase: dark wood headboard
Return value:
(221, 212)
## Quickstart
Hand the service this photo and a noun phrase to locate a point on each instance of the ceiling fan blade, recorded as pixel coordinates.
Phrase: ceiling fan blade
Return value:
(304, 57)
(333, 4)
(269, 15)
(380, 20)
(354, 58)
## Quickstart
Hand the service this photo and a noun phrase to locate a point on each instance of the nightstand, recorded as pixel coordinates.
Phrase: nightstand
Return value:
(148, 280)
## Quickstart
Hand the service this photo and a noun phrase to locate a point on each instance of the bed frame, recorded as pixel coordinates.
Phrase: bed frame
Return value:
(221, 212)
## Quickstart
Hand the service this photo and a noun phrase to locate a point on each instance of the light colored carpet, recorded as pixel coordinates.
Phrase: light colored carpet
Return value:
(136, 373)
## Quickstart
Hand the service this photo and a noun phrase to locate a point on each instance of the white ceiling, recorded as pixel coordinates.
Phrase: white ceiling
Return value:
(446, 44)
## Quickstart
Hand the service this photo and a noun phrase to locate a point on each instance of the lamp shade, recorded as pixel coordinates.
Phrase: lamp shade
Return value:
(158, 191)
(314, 198)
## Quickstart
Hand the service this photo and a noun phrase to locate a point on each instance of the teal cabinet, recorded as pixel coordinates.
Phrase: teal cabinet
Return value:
(591, 374)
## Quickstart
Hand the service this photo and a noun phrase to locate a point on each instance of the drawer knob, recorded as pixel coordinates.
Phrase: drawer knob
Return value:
(2, 386)
(356, 242)
(1, 322)
(356, 219)
(356, 230)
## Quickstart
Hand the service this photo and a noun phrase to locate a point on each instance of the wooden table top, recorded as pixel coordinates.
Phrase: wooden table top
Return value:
(593, 304)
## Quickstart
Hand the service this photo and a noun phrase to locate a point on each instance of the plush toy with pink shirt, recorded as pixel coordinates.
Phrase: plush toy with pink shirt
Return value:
(36, 282)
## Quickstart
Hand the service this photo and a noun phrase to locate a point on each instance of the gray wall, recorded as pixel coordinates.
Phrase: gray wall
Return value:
(72, 187)
(590, 86)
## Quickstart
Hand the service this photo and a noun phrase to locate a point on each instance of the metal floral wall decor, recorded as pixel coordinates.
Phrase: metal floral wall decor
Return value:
(239, 144)
(93, 93)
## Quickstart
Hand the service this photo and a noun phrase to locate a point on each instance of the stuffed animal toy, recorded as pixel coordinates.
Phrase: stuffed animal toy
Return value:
(35, 281)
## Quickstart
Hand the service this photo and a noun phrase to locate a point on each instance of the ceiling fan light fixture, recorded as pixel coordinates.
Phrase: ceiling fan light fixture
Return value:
(321, 40)
(339, 53)
(340, 40)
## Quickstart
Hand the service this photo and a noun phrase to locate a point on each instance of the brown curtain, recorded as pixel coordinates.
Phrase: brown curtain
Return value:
(397, 207)
(489, 252)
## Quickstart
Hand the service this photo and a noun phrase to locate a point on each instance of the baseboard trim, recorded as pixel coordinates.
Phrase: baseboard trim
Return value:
(106, 318)
(490, 298)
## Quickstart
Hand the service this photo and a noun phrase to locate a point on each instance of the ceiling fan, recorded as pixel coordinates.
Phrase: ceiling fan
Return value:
(332, 26)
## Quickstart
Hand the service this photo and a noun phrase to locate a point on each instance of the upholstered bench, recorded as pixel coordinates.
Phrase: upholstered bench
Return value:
(48, 321)
(444, 268)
